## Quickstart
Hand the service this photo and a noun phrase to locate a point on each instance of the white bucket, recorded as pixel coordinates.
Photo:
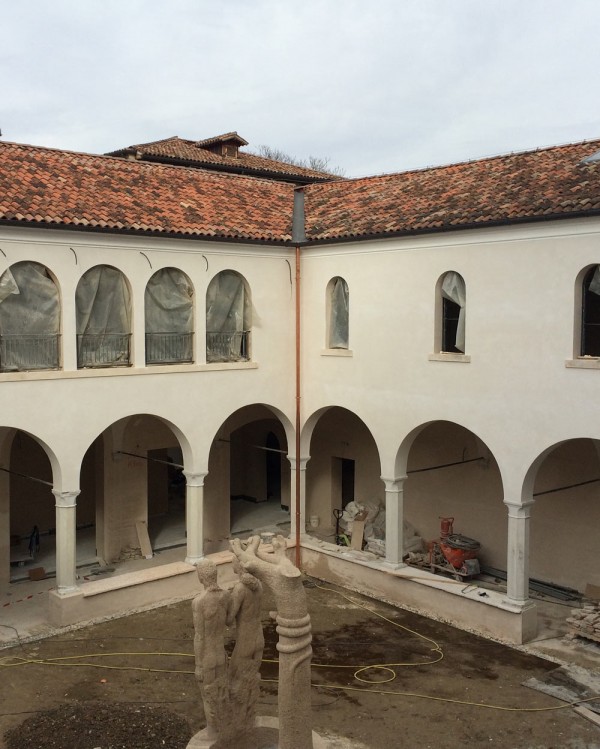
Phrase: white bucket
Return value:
(314, 521)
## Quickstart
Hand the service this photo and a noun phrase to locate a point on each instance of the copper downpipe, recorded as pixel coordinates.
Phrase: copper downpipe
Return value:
(298, 396)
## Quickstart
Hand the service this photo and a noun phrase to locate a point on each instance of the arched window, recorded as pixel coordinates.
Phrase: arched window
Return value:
(103, 304)
(228, 318)
(590, 313)
(338, 313)
(453, 313)
(169, 309)
(29, 318)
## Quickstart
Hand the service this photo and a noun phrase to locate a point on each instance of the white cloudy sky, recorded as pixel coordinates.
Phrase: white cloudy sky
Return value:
(375, 85)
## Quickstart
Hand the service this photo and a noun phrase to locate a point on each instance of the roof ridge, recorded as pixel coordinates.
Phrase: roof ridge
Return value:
(135, 163)
(464, 162)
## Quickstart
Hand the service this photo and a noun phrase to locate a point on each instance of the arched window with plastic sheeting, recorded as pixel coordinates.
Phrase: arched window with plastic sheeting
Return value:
(228, 318)
(454, 299)
(29, 318)
(103, 304)
(338, 303)
(590, 313)
(169, 314)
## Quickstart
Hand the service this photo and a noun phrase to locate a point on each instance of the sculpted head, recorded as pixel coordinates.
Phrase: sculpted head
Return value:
(207, 574)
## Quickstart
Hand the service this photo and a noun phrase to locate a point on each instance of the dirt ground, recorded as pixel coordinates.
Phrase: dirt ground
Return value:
(129, 684)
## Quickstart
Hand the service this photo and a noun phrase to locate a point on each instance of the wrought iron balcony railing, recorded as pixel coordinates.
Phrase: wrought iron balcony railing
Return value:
(169, 348)
(103, 350)
(20, 353)
(221, 347)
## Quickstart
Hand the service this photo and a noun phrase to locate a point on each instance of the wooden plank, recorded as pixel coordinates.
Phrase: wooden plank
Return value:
(144, 539)
(592, 591)
(585, 712)
(358, 531)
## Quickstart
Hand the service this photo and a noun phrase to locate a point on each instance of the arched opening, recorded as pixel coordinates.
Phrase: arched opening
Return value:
(169, 317)
(103, 305)
(132, 476)
(452, 474)
(338, 314)
(29, 318)
(228, 318)
(589, 312)
(247, 489)
(451, 298)
(344, 472)
(28, 506)
(565, 518)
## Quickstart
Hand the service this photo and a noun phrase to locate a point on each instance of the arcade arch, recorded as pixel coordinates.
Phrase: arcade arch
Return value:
(565, 514)
(248, 486)
(344, 465)
(450, 472)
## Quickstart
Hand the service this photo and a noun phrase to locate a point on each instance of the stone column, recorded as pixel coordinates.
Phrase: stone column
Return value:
(394, 521)
(302, 469)
(194, 515)
(517, 558)
(66, 548)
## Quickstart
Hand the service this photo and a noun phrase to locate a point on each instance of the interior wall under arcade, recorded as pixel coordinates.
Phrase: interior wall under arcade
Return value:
(565, 525)
(470, 492)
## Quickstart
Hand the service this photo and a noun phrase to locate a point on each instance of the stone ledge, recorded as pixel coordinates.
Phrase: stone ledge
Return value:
(139, 577)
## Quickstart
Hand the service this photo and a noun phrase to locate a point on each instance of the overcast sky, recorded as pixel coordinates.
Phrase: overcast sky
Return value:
(375, 85)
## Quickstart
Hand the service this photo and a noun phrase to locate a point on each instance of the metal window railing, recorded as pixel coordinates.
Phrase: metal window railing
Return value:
(169, 348)
(232, 346)
(29, 351)
(103, 350)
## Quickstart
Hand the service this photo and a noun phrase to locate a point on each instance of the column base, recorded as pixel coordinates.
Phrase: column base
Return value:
(193, 560)
(388, 565)
(65, 607)
(265, 734)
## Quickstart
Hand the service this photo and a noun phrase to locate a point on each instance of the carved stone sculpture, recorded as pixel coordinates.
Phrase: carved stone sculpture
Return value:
(278, 573)
(230, 690)
(244, 666)
(209, 610)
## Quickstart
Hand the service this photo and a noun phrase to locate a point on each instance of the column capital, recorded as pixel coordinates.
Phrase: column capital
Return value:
(519, 509)
(303, 462)
(195, 478)
(66, 499)
(393, 484)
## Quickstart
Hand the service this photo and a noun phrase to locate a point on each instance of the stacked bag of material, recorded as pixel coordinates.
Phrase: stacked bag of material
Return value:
(375, 527)
(585, 622)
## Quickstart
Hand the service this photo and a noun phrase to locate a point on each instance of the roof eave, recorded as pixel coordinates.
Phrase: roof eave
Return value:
(145, 233)
(439, 230)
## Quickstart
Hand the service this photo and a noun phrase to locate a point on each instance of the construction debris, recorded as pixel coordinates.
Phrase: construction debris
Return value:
(585, 622)
(374, 527)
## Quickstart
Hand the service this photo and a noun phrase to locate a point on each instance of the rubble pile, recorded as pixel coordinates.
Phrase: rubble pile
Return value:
(585, 622)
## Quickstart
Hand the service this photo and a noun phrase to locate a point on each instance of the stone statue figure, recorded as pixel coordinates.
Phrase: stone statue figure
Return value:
(278, 573)
(244, 666)
(209, 610)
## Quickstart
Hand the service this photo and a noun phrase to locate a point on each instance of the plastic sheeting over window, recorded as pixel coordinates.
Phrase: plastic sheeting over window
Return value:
(594, 286)
(29, 318)
(453, 289)
(228, 318)
(338, 314)
(103, 318)
(169, 310)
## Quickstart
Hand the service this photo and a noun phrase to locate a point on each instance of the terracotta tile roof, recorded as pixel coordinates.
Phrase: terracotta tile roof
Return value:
(192, 153)
(73, 190)
(231, 137)
(546, 183)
